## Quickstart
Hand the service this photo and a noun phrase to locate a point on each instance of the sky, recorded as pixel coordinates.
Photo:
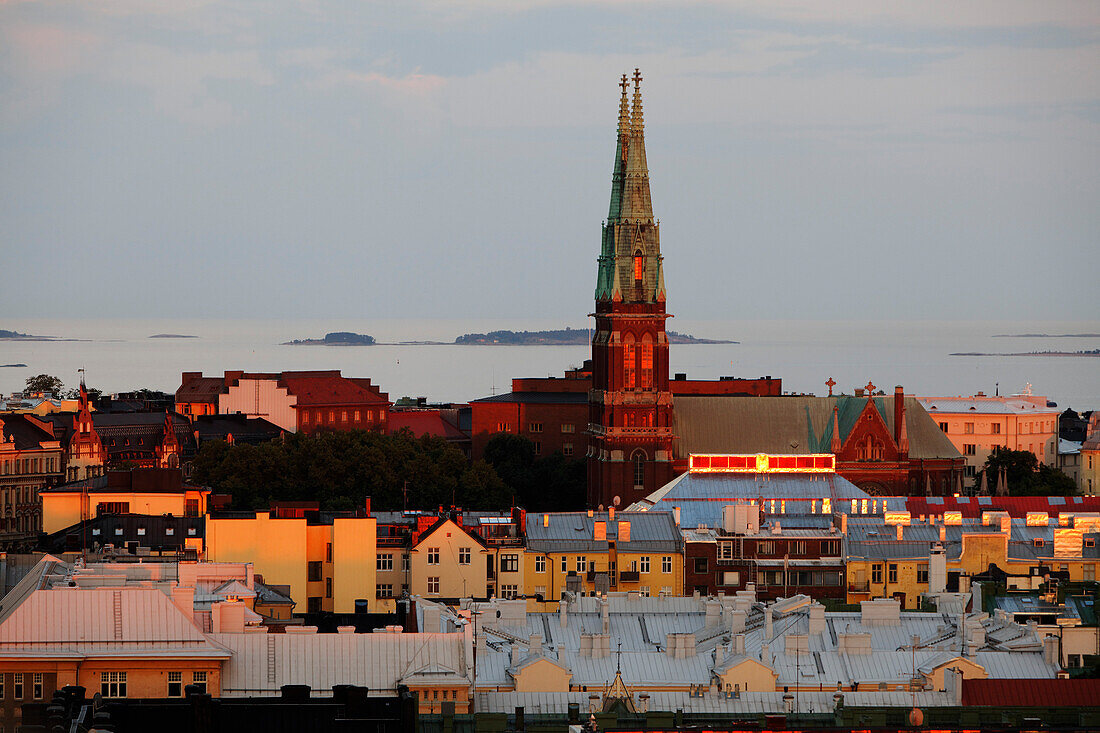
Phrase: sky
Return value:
(277, 159)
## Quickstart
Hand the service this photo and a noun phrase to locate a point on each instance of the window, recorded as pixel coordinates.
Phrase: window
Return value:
(568, 428)
(628, 361)
(2, 690)
(647, 362)
(582, 564)
(1073, 660)
(502, 427)
(343, 416)
(198, 679)
(922, 572)
(405, 563)
(1090, 542)
(970, 471)
(331, 416)
(358, 417)
(433, 585)
(876, 573)
(968, 428)
(767, 547)
(725, 551)
(328, 552)
(700, 564)
(643, 564)
(175, 684)
(384, 562)
(639, 267)
(644, 591)
(385, 590)
(328, 587)
(535, 427)
(797, 548)
(36, 686)
(313, 604)
(943, 426)
(969, 449)
(509, 591)
(639, 469)
(509, 563)
(731, 578)
(830, 548)
(540, 564)
(464, 556)
(893, 572)
(567, 449)
(433, 555)
(314, 572)
(17, 685)
(1038, 542)
(564, 565)
(540, 590)
(111, 684)
(666, 564)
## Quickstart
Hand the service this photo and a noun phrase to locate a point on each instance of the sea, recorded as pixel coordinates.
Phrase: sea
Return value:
(119, 355)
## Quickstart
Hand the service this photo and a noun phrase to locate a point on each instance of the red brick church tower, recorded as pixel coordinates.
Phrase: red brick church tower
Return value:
(630, 405)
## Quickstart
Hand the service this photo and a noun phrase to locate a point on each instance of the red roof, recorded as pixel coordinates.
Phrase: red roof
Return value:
(1016, 506)
(312, 391)
(424, 422)
(1032, 692)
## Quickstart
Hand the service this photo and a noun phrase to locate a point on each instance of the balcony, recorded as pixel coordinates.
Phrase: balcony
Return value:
(856, 586)
(629, 576)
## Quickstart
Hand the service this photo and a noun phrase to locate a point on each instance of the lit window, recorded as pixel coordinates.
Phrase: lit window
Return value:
(628, 361)
(647, 362)
(357, 419)
(639, 267)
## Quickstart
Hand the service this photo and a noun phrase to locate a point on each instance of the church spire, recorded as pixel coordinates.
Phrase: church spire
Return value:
(637, 203)
(605, 279)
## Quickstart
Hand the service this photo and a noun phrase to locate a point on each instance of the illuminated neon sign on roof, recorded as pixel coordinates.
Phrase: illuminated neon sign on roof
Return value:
(762, 463)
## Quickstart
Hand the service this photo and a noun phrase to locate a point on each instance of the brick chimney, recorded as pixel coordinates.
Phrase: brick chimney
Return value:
(899, 413)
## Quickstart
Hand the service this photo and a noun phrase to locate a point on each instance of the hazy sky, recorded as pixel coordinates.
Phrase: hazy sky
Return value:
(180, 158)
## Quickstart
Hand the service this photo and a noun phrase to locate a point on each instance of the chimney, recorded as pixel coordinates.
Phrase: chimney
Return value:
(624, 531)
(713, 613)
(943, 533)
(817, 619)
(676, 515)
(599, 531)
(184, 599)
(1006, 524)
(545, 520)
(899, 413)
(517, 653)
(228, 617)
(534, 646)
(739, 644)
(719, 655)
(1050, 651)
(768, 628)
(605, 614)
(563, 613)
(611, 513)
(366, 505)
(737, 621)
(844, 524)
(901, 532)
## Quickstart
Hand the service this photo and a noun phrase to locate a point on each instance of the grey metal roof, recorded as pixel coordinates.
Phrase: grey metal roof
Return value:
(574, 532)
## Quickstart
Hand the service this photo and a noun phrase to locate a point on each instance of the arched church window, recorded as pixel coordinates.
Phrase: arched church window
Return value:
(647, 362)
(638, 459)
(629, 356)
(639, 267)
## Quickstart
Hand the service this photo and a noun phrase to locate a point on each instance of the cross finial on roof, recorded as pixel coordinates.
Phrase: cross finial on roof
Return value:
(619, 658)
(623, 84)
(830, 383)
(637, 79)
(870, 388)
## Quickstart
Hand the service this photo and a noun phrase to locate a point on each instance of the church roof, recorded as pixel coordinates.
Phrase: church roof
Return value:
(793, 424)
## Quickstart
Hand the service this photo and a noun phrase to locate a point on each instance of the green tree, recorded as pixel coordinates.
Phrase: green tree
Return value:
(1025, 475)
(553, 482)
(44, 383)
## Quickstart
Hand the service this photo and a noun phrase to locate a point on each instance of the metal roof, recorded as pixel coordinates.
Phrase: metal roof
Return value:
(575, 531)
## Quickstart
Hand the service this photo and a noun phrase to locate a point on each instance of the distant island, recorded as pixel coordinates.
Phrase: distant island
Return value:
(1046, 335)
(336, 338)
(1090, 352)
(561, 337)
(13, 366)
(171, 336)
(6, 335)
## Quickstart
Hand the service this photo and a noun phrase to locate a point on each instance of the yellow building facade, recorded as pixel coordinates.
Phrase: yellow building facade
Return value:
(328, 566)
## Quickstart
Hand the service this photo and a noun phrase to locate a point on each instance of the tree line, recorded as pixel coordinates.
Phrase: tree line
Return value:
(340, 469)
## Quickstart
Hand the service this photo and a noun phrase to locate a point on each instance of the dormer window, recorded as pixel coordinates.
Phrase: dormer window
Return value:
(639, 267)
